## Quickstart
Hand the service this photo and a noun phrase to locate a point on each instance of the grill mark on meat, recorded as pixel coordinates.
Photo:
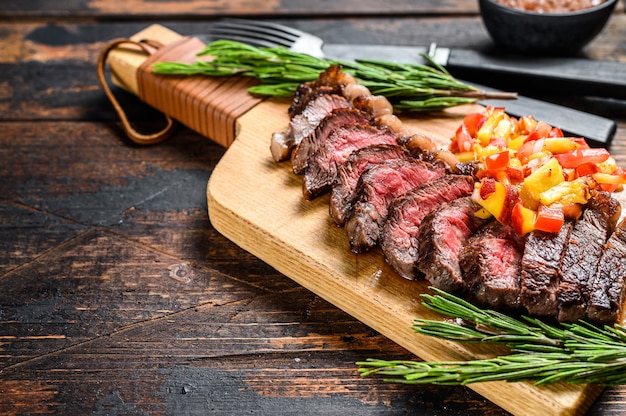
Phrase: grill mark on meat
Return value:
(541, 264)
(344, 189)
(607, 288)
(309, 145)
(582, 255)
(377, 187)
(443, 233)
(321, 171)
(491, 262)
(401, 231)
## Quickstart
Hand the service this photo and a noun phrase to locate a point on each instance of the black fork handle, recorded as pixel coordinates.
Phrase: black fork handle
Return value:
(557, 76)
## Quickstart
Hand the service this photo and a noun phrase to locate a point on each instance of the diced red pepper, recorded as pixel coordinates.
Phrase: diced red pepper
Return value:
(549, 219)
(579, 156)
(497, 161)
(473, 122)
(487, 188)
(585, 169)
(528, 149)
(541, 131)
(556, 132)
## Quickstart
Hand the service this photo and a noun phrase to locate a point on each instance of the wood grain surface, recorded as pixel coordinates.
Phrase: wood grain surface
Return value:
(119, 297)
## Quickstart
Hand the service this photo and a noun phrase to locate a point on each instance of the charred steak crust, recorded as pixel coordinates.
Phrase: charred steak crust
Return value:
(582, 255)
(378, 185)
(607, 288)
(344, 188)
(330, 81)
(401, 230)
(309, 145)
(491, 262)
(541, 265)
(443, 233)
(321, 170)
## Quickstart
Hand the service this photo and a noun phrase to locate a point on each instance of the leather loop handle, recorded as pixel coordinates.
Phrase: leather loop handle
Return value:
(134, 135)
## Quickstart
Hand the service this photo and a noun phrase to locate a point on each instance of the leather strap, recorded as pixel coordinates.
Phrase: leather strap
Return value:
(149, 47)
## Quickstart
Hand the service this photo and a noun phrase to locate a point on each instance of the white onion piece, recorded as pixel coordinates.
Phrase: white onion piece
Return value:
(379, 105)
(351, 91)
(393, 123)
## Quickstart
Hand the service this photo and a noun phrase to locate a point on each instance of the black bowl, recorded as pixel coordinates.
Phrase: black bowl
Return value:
(535, 33)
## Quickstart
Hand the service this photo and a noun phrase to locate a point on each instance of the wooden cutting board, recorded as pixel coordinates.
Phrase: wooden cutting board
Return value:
(258, 204)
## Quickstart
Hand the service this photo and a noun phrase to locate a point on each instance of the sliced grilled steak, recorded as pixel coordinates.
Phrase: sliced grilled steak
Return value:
(303, 124)
(317, 139)
(582, 255)
(491, 262)
(401, 231)
(607, 288)
(377, 187)
(331, 81)
(321, 171)
(443, 233)
(541, 273)
(344, 189)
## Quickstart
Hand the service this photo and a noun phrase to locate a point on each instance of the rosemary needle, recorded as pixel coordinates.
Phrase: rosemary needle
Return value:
(540, 352)
(409, 87)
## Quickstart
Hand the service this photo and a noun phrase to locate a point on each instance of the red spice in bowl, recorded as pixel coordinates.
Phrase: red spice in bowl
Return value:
(551, 6)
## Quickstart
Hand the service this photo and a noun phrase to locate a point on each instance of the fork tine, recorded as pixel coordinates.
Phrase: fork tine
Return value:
(259, 33)
(248, 36)
(267, 27)
(254, 32)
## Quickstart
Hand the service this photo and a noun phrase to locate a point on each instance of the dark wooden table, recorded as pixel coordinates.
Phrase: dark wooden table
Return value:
(117, 296)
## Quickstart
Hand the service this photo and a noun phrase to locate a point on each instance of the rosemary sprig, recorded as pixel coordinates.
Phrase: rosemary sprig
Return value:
(410, 87)
(540, 353)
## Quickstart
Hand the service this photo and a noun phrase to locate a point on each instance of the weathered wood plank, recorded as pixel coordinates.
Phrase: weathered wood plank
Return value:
(202, 9)
(262, 354)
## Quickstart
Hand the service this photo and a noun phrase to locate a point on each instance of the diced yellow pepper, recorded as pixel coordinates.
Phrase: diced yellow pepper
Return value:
(556, 145)
(499, 202)
(503, 128)
(566, 193)
(483, 214)
(542, 179)
(516, 142)
(485, 132)
(523, 219)
(608, 166)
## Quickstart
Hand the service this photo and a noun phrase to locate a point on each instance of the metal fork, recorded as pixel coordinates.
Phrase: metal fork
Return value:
(258, 33)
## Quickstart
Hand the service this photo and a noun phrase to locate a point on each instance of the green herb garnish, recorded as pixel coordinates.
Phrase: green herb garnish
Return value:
(540, 353)
(409, 87)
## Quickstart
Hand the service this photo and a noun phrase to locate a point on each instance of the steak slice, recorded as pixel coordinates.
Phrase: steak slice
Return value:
(303, 124)
(321, 171)
(582, 255)
(317, 139)
(330, 81)
(491, 262)
(541, 264)
(344, 189)
(377, 187)
(401, 231)
(443, 233)
(607, 288)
